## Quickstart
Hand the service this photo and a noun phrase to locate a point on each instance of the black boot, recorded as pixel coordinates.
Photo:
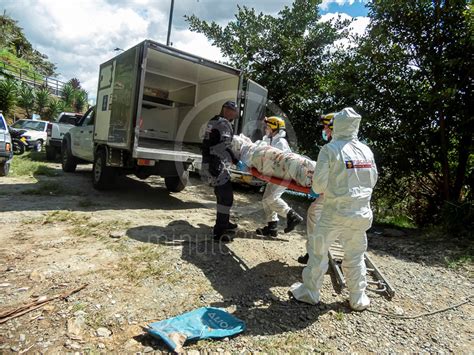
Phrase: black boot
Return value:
(269, 230)
(225, 236)
(303, 259)
(233, 225)
(292, 220)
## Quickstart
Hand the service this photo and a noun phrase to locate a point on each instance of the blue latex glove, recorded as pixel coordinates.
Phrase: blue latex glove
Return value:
(313, 194)
(241, 166)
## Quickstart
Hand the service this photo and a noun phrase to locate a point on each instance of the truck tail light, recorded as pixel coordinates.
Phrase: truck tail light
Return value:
(8, 147)
(146, 162)
(49, 129)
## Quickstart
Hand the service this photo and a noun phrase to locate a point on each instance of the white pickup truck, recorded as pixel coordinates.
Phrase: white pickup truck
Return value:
(153, 105)
(56, 131)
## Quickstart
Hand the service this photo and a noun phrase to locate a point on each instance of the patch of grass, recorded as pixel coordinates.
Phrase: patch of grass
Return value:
(458, 262)
(340, 316)
(397, 221)
(78, 306)
(24, 165)
(143, 264)
(65, 216)
(96, 320)
(101, 229)
(47, 188)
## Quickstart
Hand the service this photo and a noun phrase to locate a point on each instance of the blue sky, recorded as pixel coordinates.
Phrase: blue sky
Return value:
(80, 35)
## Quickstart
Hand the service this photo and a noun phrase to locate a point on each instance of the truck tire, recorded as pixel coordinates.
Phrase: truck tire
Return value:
(50, 153)
(68, 161)
(103, 176)
(4, 168)
(177, 183)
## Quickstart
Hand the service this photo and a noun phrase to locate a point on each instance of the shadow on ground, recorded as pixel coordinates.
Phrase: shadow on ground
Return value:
(246, 288)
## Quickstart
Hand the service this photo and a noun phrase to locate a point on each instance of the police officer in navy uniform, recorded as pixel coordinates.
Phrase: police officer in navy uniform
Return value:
(217, 156)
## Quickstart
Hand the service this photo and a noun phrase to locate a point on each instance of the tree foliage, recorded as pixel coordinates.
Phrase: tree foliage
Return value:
(412, 78)
(288, 53)
(8, 95)
(14, 40)
(26, 98)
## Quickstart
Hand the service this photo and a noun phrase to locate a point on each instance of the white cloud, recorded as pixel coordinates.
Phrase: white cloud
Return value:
(357, 26)
(325, 4)
(78, 36)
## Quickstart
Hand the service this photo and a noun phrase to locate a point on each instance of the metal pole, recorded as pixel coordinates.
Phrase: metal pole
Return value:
(169, 23)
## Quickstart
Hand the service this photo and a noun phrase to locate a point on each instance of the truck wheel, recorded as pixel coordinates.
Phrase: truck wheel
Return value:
(50, 153)
(177, 183)
(38, 146)
(102, 175)
(4, 168)
(68, 161)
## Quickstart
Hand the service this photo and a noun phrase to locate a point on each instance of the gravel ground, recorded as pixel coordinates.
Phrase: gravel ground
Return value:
(146, 255)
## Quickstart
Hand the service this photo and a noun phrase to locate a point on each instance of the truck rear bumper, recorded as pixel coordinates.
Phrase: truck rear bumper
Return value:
(56, 143)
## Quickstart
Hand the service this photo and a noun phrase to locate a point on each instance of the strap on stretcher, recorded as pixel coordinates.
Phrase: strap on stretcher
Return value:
(290, 184)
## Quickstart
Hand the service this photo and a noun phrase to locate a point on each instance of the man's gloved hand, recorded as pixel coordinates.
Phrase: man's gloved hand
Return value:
(313, 194)
(241, 166)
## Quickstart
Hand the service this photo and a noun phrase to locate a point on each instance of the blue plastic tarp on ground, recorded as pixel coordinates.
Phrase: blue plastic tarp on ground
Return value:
(202, 323)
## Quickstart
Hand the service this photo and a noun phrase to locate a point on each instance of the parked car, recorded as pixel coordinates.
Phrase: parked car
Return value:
(6, 151)
(56, 130)
(35, 132)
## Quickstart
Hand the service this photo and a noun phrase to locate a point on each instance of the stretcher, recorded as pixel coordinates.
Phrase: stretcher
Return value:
(290, 184)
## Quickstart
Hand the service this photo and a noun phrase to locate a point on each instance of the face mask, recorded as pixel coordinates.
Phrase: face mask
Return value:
(325, 136)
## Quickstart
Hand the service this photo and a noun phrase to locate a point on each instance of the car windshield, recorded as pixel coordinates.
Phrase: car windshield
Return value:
(19, 124)
(33, 125)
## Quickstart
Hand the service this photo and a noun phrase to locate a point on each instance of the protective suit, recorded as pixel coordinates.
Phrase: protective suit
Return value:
(346, 174)
(273, 204)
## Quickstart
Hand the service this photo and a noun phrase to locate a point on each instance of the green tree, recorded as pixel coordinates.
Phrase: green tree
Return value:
(8, 95)
(411, 77)
(43, 97)
(80, 100)
(68, 96)
(55, 106)
(26, 98)
(289, 54)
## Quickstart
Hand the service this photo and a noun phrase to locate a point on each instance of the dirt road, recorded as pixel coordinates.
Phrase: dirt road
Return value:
(146, 255)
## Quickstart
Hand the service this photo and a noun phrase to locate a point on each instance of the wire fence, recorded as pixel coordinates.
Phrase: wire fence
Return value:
(54, 86)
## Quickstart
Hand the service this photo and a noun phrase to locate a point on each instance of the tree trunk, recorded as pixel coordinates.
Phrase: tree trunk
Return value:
(444, 157)
(463, 157)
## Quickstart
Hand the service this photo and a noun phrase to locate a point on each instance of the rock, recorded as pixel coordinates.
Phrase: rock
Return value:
(390, 232)
(148, 349)
(22, 338)
(15, 349)
(75, 326)
(23, 289)
(117, 234)
(6, 284)
(193, 352)
(103, 332)
(398, 311)
(131, 343)
(101, 346)
(37, 276)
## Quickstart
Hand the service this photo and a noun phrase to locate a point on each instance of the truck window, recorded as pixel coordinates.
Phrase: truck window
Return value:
(69, 119)
(90, 118)
(2, 124)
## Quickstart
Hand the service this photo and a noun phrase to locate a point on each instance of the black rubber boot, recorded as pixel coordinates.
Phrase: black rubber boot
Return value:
(303, 259)
(269, 230)
(233, 225)
(292, 220)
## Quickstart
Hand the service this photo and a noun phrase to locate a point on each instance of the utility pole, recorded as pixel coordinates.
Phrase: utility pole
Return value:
(169, 23)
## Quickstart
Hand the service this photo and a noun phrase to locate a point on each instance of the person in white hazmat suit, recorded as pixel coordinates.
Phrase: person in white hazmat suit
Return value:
(273, 204)
(316, 207)
(346, 174)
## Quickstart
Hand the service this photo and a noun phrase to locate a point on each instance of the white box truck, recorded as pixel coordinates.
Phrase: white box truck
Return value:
(153, 104)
